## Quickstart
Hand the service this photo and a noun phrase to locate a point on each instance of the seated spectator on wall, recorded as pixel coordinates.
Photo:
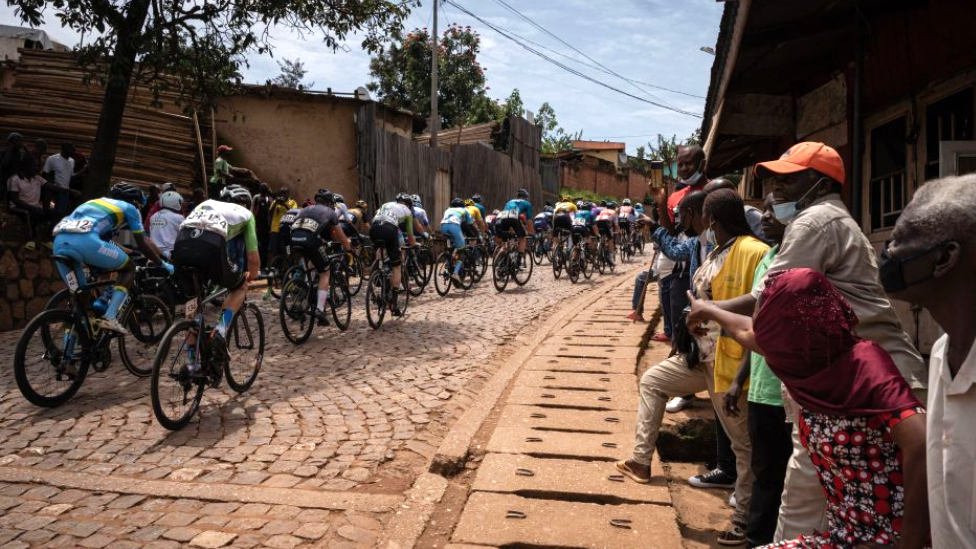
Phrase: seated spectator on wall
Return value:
(24, 195)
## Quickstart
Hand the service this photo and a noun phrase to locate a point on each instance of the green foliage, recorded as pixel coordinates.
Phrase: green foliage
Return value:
(554, 138)
(665, 150)
(292, 75)
(695, 138)
(196, 49)
(402, 77)
(514, 105)
(587, 195)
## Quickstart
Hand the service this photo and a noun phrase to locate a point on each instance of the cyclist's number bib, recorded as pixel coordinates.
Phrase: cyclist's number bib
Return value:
(579, 222)
(74, 226)
(307, 224)
(208, 220)
(508, 214)
(386, 217)
(71, 279)
(288, 219)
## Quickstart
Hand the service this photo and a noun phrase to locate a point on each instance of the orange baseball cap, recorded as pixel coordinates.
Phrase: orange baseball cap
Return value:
(804, 156)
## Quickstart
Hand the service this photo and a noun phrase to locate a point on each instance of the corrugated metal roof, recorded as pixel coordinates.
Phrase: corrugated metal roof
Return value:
(598, 146)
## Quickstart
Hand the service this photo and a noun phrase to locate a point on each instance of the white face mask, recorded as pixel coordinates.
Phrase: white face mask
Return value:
(693, 180)
(788, 211)
(710, 238)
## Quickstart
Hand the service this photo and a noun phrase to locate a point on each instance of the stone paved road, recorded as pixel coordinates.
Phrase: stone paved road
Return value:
(357, 412)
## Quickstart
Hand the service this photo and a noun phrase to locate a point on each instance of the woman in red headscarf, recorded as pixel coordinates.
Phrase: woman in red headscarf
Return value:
(858, 419)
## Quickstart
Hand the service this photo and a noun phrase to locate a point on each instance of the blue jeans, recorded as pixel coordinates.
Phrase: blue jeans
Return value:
(664, 287)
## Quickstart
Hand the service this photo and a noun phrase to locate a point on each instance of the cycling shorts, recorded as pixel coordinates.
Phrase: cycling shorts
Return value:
(387, 235)
(88, 249)
(454, 234)
(205, 251)
(562, 222)
(509, 224)
(604, 227)
(540, 225)
(351, 233)
(582, 231)
(469, 230)
(311, 247)
(624, 225)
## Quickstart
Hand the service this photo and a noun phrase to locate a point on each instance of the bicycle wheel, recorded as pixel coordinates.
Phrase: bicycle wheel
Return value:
(601, 263)
(354, 274)
(426, 258)
(147, 320)
(538, 251)
(276, 271)
(295, 312)
(174, 391)
(500, 269)
(376, 298)
(557, 263)
(442, 274)
(50, 370)
(340, 300)
(59, 301)
(402, 299)
(524, 274)
(587, 263)
(245, 344)
(414, 271)
(572, 268)
(470, 268)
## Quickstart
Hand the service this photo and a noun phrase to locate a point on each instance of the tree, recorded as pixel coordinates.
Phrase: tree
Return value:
(695, 138)
(292, 74)
(666, 151)
(554, 138)
(402, 77)
(193, 48)
(513, 105)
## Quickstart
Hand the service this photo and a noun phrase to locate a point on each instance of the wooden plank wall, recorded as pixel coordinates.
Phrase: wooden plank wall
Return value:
(50, 100)
(494, 175)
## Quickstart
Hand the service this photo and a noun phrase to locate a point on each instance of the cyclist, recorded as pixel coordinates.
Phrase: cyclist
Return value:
(543, 220)
(314, 227)
(562, 218)
(476, 227)
(626, 217)
(421, 225)
(606, 223)
(583, 226)
(164, 225)
(491, 220)
(206, 241)
(477, 202)
(385, 232)
(284, 228)
(454, 219)
(85, 236)
(357, 216)
(515, 217)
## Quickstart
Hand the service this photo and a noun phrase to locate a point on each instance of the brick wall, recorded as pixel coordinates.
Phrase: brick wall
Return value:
(588, 174)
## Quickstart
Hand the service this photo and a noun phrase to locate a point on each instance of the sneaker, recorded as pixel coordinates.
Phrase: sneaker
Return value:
(113, 326)
(716, 478)
(30, 245)
(732, 502)
(735, 535)
(322, 317)
(456, 278)
(661, 337)
(677, 404)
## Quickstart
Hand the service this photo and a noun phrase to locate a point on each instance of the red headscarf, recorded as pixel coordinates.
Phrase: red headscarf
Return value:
(805, 329)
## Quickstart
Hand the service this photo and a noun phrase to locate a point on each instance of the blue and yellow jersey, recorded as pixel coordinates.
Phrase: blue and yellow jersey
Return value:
(475, 213)
(102, 216)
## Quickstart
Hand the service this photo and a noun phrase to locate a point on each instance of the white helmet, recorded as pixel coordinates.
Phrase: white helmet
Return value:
(171, 200)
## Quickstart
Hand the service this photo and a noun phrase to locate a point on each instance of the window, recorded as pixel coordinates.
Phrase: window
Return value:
(889, 175)
(948, 119)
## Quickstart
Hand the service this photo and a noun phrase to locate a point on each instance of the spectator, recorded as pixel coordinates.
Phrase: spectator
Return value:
(753, 214)
(221, 171)
(822, 235)
(58, 170)
(769, 428)
(81, 170)
(39, 154)
(195, 200)
(165, 223)
(13, 160)
(860, 423)
(152, 204)
(262, 217)
(711, 364)
(24, 194)
(281, 204)
(930, 262)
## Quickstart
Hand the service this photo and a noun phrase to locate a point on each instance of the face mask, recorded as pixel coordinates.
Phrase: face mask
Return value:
(710, 238)
(892, 270)
(786, 211)
(693, 180)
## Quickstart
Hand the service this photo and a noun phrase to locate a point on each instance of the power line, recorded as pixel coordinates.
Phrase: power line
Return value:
(563, 66)
(597, 65)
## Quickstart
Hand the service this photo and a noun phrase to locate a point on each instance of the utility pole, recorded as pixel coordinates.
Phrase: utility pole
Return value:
(435, 120)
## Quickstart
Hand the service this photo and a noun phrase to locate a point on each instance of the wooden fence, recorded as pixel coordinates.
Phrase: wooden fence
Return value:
(389, 164)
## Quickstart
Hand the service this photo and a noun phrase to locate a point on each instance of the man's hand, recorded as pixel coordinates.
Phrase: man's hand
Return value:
(730, 402)
(701, 310)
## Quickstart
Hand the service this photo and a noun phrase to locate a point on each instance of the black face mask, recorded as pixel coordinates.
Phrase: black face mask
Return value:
(892, 270)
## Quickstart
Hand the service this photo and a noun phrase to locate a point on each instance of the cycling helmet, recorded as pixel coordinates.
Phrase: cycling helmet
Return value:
(361, 204)
(626, 202)
(522, 193)
(495, 212)
(548, 208)
(603, 203)
(457, 203)
(127, 192)
(612, 205)
(171, 200)
(324, 196)
(339, 199)
(579, 203)
(469, 202)
(476, 198)
(236, 194)
(405, 199)
(415, 198)
(548, 204)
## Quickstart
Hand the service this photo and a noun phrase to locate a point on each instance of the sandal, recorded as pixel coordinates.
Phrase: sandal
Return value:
(735, 535)
(633, 475)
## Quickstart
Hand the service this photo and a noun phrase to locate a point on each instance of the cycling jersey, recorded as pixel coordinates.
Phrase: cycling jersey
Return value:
(456, 216)
(341, 210)
(225, 219)
(627, 214)
(475, 214)
(101, 217)
(164, 225)
(355, 216)
(482, 210)
(544, 216)
(289, 218)
(317, 219)
(420, 215)
(565, 207)
(583, 218)
(520, 206)
(396, 214)
(607, 215)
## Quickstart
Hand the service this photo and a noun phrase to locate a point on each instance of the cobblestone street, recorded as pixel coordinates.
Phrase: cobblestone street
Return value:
(319, 453)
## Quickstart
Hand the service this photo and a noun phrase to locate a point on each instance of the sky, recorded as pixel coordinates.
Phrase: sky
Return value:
(655, 42)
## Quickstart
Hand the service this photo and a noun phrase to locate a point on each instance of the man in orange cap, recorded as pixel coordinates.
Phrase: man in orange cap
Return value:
(221, 171)
(821, 235)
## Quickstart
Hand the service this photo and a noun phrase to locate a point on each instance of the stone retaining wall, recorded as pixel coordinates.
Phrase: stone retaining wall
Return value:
(27, 280)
